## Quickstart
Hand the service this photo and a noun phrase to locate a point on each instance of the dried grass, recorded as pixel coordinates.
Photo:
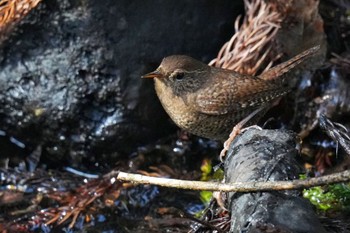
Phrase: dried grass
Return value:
(251, 45)
(11, 12)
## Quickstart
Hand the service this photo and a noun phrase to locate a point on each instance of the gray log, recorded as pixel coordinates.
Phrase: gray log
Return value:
(267, 155)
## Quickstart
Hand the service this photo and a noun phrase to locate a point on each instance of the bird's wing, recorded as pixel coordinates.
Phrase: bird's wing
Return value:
(237, 94)
(214, 100)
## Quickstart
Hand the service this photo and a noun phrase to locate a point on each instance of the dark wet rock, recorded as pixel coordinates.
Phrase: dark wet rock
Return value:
(267, 155)
(70, 74)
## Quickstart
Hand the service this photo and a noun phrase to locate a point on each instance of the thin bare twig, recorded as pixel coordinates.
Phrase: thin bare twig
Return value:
(234, 187)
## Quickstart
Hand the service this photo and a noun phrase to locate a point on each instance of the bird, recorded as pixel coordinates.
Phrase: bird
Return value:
(208, 101)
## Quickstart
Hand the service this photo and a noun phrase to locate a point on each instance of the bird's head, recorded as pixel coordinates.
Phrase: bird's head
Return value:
(181, 73)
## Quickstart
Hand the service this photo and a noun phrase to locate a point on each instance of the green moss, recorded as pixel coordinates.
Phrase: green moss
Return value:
(208, 174)
(331, 197)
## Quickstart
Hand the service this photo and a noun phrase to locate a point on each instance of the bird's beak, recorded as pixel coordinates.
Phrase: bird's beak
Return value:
(154, 74)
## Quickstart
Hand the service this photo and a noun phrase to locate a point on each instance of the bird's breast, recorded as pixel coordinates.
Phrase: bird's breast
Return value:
(177, 107)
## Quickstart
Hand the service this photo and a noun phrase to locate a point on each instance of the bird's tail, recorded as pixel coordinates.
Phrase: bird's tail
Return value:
(279, 70)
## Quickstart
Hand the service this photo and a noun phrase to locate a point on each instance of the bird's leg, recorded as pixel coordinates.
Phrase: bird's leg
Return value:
(238, 129)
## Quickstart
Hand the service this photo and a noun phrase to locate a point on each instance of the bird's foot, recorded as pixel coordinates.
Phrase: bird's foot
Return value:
(237, 130)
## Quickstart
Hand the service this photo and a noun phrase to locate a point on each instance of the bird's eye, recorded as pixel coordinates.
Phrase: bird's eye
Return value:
(179, 76)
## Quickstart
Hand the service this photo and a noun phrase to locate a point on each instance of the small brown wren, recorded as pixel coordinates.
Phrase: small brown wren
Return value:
(208, 101)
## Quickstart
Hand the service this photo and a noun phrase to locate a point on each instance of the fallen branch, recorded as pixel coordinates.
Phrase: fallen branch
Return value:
(234, 187)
